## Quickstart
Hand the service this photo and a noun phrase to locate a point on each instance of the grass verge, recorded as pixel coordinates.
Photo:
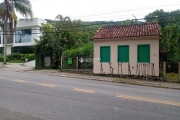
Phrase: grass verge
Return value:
(15, 61)
(172, 77)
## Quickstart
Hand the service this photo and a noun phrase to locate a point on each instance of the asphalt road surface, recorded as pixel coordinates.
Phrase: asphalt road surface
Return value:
(25, 96)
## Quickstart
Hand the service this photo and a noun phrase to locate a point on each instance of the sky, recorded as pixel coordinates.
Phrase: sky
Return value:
(100, 10)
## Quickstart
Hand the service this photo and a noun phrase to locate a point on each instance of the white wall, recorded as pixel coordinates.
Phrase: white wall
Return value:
(25, 24)
(30, 23)
(132, 42)
(9, 50)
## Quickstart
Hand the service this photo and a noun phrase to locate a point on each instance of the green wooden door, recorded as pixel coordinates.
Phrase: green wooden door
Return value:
(123, 53)
(105, 53)
(144, 53)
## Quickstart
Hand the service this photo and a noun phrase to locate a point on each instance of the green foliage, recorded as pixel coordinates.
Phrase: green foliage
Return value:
(15, 61)
(172, 77)
(59, 36)
(2, 59)
(170, 40)
(20, 57)
(8, 16)
(161, 74)
(85, 50)
(31, 57)
(48, 46)
(14, 56)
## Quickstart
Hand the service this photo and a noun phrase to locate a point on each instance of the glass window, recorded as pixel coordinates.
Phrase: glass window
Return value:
(23, 36)
(1, 50)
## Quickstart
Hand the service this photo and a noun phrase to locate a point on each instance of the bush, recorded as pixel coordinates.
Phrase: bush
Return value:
(161, 74)
(14, 56)
(31, 57)
(2, 59)
(21, 57)
(86, 50)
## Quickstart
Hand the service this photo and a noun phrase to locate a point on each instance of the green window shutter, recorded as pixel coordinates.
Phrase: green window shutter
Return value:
(105, 53)
(143, 53)
(123, 53)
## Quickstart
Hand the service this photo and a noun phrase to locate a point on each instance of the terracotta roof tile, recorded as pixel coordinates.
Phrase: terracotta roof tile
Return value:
(136, 30)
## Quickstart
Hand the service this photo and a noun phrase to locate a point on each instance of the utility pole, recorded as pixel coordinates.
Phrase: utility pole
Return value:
(135, 18)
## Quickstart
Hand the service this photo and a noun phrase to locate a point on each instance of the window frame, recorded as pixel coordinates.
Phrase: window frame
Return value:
(118, 53)
(138, 53)
(101, 54)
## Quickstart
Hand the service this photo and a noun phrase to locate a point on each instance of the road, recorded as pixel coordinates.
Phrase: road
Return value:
(25, 96)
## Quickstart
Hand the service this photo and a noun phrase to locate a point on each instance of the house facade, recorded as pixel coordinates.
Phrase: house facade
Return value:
(127, 50)
(23, 38)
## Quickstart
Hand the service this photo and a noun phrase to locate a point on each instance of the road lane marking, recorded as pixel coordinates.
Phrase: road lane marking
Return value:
(84, 90)
(149, 100)
(21, 81)
(47, 85)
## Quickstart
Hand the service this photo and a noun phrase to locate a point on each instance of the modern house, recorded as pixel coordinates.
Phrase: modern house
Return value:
(127, 50)
(23, 38)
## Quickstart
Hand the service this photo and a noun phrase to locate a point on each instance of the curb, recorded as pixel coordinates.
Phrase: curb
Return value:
(127, 82)
(115, 81)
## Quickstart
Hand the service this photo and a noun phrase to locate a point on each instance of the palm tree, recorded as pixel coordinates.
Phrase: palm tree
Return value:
(9, 19)
(65, 21)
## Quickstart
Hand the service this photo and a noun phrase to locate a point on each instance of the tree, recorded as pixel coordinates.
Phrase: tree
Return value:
(170, 40)
(9, 19)
(157, 16)
(64, 21)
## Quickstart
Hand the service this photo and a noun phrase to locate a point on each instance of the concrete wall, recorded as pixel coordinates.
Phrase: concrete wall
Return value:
(25, 24)
(30, 23)
(132, 42)
(9, 50)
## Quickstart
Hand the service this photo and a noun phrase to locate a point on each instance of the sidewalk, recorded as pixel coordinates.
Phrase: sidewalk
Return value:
(150, 83)
(19, 67)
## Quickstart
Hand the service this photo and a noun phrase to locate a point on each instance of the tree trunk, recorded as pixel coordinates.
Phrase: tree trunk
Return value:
(5, 40)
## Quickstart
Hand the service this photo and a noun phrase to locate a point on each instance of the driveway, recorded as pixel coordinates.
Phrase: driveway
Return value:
(30, 64)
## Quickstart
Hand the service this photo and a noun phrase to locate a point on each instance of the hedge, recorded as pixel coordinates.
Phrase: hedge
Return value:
(29, 56)
(21, 57)
(2, 59)
(85, 50)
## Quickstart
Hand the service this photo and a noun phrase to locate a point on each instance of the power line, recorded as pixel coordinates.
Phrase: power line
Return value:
(130, 10)
(103, 23)
(78, 30)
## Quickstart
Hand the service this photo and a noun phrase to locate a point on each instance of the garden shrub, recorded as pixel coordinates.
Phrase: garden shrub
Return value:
(14, 56)
(85, 50)
(31, 57)
(2, 59)
(21, 57)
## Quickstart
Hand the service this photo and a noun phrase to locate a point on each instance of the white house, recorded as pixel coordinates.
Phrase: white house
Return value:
(23, 38)
(128, 49)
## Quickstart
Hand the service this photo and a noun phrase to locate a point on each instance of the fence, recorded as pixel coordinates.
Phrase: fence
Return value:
(172, 71)
(68, 63)
(77, 64)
